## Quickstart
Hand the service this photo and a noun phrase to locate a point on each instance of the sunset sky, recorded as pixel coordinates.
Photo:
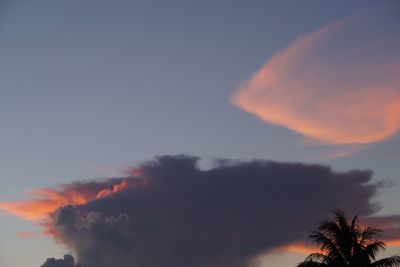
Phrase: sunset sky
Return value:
(100, 99)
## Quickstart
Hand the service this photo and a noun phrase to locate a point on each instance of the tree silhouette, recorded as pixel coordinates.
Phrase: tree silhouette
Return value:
(344, 243)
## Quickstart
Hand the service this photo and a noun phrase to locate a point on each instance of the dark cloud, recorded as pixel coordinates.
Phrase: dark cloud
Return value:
(391, 225)
(67, 261)
(226, 216)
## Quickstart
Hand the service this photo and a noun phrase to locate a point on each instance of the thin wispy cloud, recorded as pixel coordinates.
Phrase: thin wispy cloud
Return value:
(338, 85)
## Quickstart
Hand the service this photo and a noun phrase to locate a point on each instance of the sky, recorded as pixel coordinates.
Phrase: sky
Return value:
(97, 89)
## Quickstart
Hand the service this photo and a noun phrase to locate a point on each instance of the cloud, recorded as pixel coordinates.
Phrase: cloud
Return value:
(391, 225)
(25, 234)
(172, 213)
(67, 261)
(50, 199)
(338, 85)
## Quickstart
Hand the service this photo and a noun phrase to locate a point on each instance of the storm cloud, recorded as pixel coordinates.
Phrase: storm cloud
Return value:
(169, 212)
(172, 213)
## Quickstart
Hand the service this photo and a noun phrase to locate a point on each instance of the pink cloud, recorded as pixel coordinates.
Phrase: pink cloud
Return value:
(338, 85)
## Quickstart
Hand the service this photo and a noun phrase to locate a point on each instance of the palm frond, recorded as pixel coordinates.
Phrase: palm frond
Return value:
(393, 261)
(324, 241)
(372, 249)
(369, 234)
(317, 257)
(311, 264)
(343, 243)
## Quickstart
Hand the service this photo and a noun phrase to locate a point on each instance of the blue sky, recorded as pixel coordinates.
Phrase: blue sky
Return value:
(91, 86)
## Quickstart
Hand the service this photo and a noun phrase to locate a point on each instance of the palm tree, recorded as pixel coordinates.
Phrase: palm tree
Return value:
(344, 243)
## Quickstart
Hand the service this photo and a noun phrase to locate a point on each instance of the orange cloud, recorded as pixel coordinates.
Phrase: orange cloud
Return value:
(338, 85)
(306, 248)
(24, 234)
(49, 200)
(116, 188)
(393, 243)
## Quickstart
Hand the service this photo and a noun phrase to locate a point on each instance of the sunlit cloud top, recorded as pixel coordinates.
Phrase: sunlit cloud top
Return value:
(338, 85)
(48, 200)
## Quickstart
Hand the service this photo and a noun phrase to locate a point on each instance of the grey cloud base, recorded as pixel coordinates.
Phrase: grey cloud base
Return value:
(224, 216)
(67, 261)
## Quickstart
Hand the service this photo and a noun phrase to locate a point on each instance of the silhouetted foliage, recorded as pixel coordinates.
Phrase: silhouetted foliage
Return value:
(344, 243)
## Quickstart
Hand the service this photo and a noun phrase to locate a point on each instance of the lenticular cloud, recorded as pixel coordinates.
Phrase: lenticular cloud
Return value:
(338, 85)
